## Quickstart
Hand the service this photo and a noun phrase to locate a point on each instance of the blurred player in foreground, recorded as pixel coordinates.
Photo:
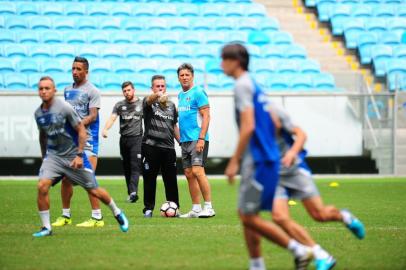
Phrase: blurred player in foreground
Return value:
(130, 112)
(258, 156)
(85, 99)
(296, 182)
(62, 139)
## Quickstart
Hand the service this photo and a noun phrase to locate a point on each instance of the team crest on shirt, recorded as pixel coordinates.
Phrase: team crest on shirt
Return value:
(124, 108)
(188, 99)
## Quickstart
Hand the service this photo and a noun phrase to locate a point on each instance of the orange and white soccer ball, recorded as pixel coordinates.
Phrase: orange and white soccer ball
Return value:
(169, 209)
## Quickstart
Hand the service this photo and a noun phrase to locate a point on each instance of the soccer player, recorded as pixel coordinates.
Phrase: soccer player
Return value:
(257, 155)
(62, 139)
(85, 99)
(194, 118)
(158, 147)
(296, 182)
(130, 112)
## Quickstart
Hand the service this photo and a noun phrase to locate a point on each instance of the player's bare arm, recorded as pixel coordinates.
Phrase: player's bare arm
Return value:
(109, 124)
(205, 114)
(290, 156)
(93, 112)
(177, 133)
(43, 143)
(77, 162)
(247, 126)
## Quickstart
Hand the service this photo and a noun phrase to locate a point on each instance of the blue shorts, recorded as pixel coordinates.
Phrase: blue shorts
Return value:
(258, 185)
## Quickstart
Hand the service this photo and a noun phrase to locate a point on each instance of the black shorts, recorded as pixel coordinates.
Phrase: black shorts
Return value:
(190, 157)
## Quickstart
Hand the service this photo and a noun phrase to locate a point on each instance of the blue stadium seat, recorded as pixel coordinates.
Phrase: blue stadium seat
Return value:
(247, 24)
(178, 24)
(27, 37)
(339, 15)
(15, 23)
(142, 82)
(62, 80)
(121, 10)
(75, 37)
(376, 25)
(40, 22)
(380, 55)
(6, 37)
(262, 81)
(278, 82)
(63, 23)
(301, 82)
(52, 9)
(6, 65)
(210, 11)
(15, 50)
(86, 23)
(226, 82)
(122, 66)
(394, 24)
(2, 23)
(16, 81)
(52, 67)
(383, 11)
(268, 24)
(120, 37)
(188, 10)
(324, 9)
(111, 52)
(169, 37)
(157, 51)
(28, 66)
(202, 24)
(352, 30)
(400, 51)
(97, 37)
(78, 9)
(33, 79)
(352, 38)
(65, 51)
(51, 37)
(224, 24)
(40, 51)
(108, 23)
(213, 82)
(258, 38)
(27, 9)
(134, 51)
(88, 51)
(100, 66)
(254, 51)
(389, 38)
(97, 9)
(132, 24)
(214, 37)
(213, 66)
(287, 67)
(157, 24)
(206, 51)
(281, 38)
(145, 37)
(396, 67)
(295, 52)
(263, 66)
(195, 37)
(237, 36)
(7, 9)
(143, 10)
(401, 11)
(112, 82)
(169, 66)
(148, 67)
(256, 11)
(234, 11)
(309, 66)
(181, 51)
(361, 11)
(273, 52)
(324, 81)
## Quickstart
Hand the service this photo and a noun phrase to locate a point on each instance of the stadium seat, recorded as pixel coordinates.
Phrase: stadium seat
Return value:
(40, 51)
(224, 24)
(394, 24)
(278, 82)
(148, 67)
(51, 37)
(169, 66)
(121, 10)
(145, 37)
(62, 80)
(157, 51)
(178, 24)
(65, 51)
(7, 9)
(210, 11)
(272, 52)
(120, 37)
(97, 9)
(15, 50)
(15, 23)
(309, 67)
(165, 11)
(132, 24)
(295, 52)
(247, 24)
(2, 23)
(78, 9)
(110, 52)
(52, 10)
(213, 82)
(6, 65)
(134, 51)
(169, 37)
(255, 11)
(52, 67)
(181, 51)
(281, 38)
(206, 52)
(33, 79)
(400, 52)
(258, 38)
(142, 82)
(396, 67)
(195, 37)
(122, 66)
(28, 66)
(339, 15)
(63, 23)
(75, 37)
(40, 23)
(88, 51)
(323, 10)
(324, 81)
(6, 37)
(389, 38)
(27, 9)
(202, 24)
(268, 24)
(301, 82)
(237, 36)
(383, 11)
(188, 10)
(100, 66)
(361, 11)
(27, 37)
(108, 23)
(157, 24)
(287, 67)
(262, 81)
(234, 11)
(263, 66)
(380, 55)
(254, 51)
(86, 23)
(401, 11)
(112, 82)
(214, 37)
(143, 10)
(352, 29)
(213, 66)
(16, 81)
(97, 37)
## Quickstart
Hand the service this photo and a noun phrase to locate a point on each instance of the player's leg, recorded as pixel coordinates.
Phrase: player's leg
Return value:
(198, 162)
(253, 243)
(150, 173)
(134, 147)
(169, 175)
(66, 195)
(324, 213)
(125, 161)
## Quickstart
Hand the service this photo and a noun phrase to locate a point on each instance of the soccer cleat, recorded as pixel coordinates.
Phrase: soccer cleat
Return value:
(122, 221)
(190, 214)
(92, 222)
(301, 263)
(62, 221)
(148, 214)
(132, 198)
(207, 213)
(325, 264)
(356, 226)
(43, 232)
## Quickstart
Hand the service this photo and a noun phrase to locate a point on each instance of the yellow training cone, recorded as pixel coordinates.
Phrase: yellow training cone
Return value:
(334, 184)
(292, 202)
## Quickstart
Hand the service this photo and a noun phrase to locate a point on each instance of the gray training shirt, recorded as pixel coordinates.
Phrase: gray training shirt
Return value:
(58, 123)
(131, 114)
(159, 124)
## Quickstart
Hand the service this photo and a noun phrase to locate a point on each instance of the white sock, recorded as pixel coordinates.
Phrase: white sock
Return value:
(297, 249)
(346, 216)
(96, 213)
(319, 253)
(197, 208)
(66, 212)
(257, 263)
(45, 219)
(207, 205)
(116, 211)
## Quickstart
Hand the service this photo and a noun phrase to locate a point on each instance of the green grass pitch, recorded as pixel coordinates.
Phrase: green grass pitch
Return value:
(216, 243)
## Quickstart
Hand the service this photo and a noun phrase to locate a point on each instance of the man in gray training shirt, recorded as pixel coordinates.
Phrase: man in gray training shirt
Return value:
(62, 140)
(131, 113)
